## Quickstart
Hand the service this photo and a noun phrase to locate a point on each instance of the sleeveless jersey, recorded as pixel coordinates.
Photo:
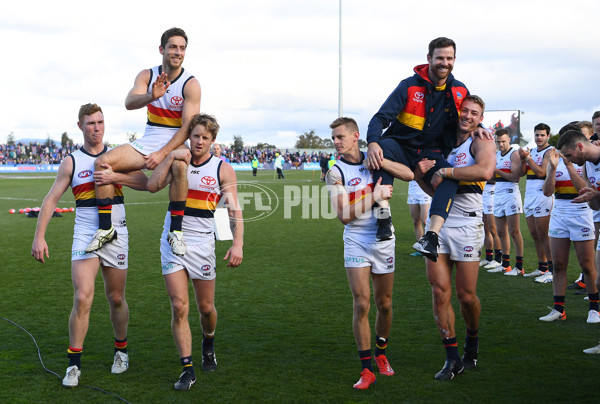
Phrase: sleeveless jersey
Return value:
(503, 163)
(468, 202)
(82, 185)
(358, 182)
(166, 112)
(593, 173)
(534, 183)
(204, 194)
(564, 191)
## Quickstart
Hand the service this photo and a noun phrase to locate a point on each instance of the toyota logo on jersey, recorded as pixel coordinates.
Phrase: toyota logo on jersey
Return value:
(208, 180)
(177, 101)
(354, 181)
(461, 156)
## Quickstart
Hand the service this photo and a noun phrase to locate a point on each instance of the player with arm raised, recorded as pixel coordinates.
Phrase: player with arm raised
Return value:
(172, 96)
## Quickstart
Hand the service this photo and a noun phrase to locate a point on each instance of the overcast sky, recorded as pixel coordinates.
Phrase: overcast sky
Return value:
(269, 69)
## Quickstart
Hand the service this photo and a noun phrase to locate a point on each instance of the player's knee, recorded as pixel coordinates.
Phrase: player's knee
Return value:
(441, 295)
(384, 304)
(179, 309)
(179, 168)
(82, 300)
(206, 308)
(116, 299)
(466, 297)
(100, 160)
(362, 307)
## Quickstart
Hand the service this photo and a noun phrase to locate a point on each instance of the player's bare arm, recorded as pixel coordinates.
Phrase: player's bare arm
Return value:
(39, 247)
(235, 253)
(191, 107)
(483, 169)
(398, 170)
(139, 97)
(133, 179)
(550, 181)
(347, 211)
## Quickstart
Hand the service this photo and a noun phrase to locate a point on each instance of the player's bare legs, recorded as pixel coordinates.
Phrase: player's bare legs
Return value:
(204, 290)
(358, 279)
(120, 159)
(114, 287)
(178, 191)
(177, 288)
(470, 308)
(83, 275)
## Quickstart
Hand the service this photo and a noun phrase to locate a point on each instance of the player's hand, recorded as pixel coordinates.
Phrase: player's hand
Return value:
(235, 256)
(39, 249)
(182, 154)
(159, 87)
(104, 177)
(422, 167)
(482, 133)
(524, 153)
(153, 159)
(553, 158)
(586, 194)
(374, 156)
(382, 192)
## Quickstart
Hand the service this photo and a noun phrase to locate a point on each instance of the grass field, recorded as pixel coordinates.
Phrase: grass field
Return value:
(284, 331)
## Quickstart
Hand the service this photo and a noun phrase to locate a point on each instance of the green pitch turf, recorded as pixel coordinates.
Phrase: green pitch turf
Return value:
(284, 331)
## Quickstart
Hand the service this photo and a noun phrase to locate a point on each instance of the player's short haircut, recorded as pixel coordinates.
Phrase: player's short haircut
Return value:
(570, 126)
(88, 109)
(501, 132)
(208, 121)
(477, 100)
(441, 42)
(596, 115)
(350, 123)
(172, 32)
(586, 124)
(542, 126)
(570, 138)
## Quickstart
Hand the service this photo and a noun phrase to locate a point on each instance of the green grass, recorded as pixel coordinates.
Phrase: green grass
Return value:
(284, 332)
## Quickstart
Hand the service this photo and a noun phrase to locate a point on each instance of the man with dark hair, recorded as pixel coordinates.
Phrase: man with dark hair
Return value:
(420, 116)
(538, 206)
(77, 171)
(596, 125)
(172, 96)
(507, 203)
(571, 219)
